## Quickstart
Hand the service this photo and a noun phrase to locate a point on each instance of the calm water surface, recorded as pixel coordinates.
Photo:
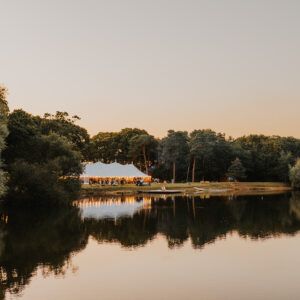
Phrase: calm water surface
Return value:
(245, 247)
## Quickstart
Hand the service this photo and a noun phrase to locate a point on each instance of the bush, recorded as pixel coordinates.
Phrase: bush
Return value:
(47, 175)
(39, 184)
(295, 175)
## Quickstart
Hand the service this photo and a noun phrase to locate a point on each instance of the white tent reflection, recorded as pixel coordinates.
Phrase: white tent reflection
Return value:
(112, 207)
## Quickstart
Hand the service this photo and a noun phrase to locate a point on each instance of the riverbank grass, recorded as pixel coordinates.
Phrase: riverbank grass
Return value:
(187, 187)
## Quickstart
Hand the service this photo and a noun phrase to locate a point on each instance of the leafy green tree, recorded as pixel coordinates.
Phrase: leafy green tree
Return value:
(64, 125)
(23, 130)
(144, 144)
(289, 145)
(24, 126)
(236, 170)
(114, 146)
(285, 161)
(123, 141)
(212, 151)
(264, 153)
(295, 175)
(39, 164)
(175, 150)
(50, 175)
(104, 147)
(201, 147)
(267, 162)
(3, 132)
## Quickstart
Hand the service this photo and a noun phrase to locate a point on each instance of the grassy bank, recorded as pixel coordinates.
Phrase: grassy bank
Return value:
(214, 187)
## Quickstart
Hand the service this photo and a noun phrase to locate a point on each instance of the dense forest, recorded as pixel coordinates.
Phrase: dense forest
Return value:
(45, 154)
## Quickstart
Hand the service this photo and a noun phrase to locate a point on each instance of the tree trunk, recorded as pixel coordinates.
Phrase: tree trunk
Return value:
(203, 168)
(145, 159)
(188, 171)
(194, 165)
(174, 171)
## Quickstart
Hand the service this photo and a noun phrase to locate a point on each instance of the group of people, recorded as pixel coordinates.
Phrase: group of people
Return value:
(112, 181)
(115, 181)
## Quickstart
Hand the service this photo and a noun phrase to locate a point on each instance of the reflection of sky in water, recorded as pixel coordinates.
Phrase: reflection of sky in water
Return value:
(247, 247)
(111, 208)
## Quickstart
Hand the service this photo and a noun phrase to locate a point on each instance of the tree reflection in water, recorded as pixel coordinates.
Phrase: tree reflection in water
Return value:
(47, 238)
(37, 238)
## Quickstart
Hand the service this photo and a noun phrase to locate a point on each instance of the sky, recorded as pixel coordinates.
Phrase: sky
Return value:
(232, 66)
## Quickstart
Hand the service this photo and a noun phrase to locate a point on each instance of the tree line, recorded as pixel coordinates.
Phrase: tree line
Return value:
(45, 153)
(200, 155)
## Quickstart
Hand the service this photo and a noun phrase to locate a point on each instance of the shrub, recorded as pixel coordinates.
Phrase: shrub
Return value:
(295, 175)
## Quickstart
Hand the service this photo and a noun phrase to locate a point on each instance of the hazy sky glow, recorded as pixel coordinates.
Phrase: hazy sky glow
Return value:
(233, 66)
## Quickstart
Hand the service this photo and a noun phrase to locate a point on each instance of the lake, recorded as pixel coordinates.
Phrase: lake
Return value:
(127, 247)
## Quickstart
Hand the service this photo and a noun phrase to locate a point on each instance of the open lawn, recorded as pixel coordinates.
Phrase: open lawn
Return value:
(239, 187)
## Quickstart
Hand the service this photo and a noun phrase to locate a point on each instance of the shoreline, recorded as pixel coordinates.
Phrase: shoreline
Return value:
(213, 188)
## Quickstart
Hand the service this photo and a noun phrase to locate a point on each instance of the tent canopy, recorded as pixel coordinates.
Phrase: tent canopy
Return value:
(113, 170)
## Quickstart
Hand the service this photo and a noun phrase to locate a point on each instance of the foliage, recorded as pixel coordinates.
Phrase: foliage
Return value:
(175, 151)
(266, 153)
(104, 147)
(3, 133)
(39, 164)
(110, 146)
(212, 152)
(295, 175)
(65, 126)
(285, 161)
(143, 146)
(236, 170)
(24, 128)
(204, 153)
(46, 176)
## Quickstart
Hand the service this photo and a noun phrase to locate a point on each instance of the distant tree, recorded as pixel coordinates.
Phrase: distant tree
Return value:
(236, 170)
(104, 147)
(3, 132)
(295, 175)
(201, 147)
(266, 162)
(264, 152)
(142, 144)
(175, 149)
(111, 146)
(123, 141)
(285, 161)
(212, 151)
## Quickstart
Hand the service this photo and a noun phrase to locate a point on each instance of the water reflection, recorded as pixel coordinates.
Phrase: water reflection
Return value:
(111, 207)
(47, 239)
(179, 218)
(31, 239)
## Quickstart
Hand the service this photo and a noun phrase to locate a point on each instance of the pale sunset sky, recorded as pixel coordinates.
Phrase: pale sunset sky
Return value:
(232, 66)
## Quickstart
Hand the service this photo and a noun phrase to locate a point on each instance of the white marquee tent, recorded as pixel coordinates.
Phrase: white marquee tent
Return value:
(114, 170)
